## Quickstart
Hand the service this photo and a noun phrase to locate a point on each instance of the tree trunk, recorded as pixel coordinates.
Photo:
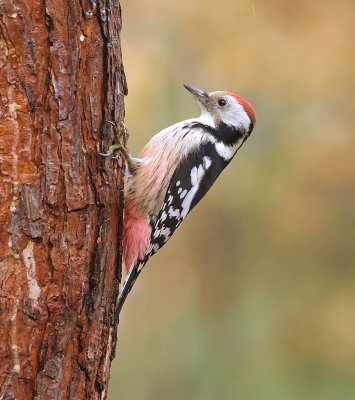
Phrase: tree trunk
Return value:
(61, 78)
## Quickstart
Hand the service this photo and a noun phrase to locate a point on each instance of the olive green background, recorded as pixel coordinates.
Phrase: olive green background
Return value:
(254, 296)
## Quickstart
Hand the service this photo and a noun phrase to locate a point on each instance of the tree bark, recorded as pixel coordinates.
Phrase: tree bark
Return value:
(61, 78)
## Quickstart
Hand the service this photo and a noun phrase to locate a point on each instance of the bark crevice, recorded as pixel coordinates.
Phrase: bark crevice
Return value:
(61, 203)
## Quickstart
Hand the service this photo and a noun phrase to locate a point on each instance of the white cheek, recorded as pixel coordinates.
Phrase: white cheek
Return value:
(236, 116)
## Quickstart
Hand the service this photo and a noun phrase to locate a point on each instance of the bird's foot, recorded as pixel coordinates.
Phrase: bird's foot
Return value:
(118, 147)
(118, 133)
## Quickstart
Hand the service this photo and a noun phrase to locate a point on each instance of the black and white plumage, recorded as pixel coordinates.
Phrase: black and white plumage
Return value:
(174, 171)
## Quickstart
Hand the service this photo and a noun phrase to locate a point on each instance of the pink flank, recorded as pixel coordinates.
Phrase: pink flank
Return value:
(136, 236)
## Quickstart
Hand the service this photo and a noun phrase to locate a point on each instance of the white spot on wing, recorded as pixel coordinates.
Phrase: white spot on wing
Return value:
(166, 232)
(174, 212)
(206, 162)
(183, 194)
(155, 247)
(186, 204)
(156, 233)
(194, 176)
(197, 174)
(140, 267)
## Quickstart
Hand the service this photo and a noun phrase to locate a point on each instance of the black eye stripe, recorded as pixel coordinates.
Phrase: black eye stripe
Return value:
(222, 102)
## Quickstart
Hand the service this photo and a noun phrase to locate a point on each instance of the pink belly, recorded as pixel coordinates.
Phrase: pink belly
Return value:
(136, 237)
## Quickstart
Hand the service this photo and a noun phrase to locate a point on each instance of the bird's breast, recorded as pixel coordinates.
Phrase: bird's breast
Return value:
(161, 156)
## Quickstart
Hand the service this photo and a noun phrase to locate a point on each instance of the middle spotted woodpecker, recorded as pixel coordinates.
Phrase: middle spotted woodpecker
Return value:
(174, 171)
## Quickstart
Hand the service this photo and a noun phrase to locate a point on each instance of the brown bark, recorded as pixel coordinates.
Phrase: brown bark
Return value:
(61, 78)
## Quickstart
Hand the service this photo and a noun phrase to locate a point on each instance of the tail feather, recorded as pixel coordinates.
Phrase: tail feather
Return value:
(127, 286)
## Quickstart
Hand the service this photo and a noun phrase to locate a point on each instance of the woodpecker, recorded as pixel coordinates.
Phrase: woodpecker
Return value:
(174, 171)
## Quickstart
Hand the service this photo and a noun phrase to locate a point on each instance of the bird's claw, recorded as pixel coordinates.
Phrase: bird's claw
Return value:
(117, 146)
(119, 132)
(111, 151)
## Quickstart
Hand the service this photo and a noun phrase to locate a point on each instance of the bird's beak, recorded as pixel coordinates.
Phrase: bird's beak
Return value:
(201, 96)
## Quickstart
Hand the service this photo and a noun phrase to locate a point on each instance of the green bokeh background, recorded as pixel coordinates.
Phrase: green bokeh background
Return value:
(254, 296)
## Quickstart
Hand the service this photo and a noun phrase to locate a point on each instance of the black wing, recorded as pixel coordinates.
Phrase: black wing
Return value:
(190, 182)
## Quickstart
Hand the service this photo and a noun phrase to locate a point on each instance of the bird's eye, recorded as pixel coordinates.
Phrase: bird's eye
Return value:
(222, 102)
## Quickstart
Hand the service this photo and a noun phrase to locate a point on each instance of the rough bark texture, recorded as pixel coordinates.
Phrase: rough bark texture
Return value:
(61, 78)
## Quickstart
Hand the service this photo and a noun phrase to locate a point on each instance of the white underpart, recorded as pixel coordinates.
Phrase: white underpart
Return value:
(206, 118)
(197, 174)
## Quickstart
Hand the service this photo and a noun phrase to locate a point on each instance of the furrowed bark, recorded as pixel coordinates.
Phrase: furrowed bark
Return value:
(61, 78)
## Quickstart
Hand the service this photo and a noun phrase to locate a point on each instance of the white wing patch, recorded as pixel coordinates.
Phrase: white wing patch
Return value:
(207, 162)
(196, 174)
(174, 212)
(183, 194)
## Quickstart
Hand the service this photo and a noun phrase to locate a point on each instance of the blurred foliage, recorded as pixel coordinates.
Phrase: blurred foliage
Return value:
(254, 297)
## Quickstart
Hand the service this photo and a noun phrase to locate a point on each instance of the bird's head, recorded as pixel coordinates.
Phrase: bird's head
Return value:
(225, 107)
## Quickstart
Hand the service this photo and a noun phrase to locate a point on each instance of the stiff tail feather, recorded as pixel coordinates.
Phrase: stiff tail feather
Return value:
(127, 286)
